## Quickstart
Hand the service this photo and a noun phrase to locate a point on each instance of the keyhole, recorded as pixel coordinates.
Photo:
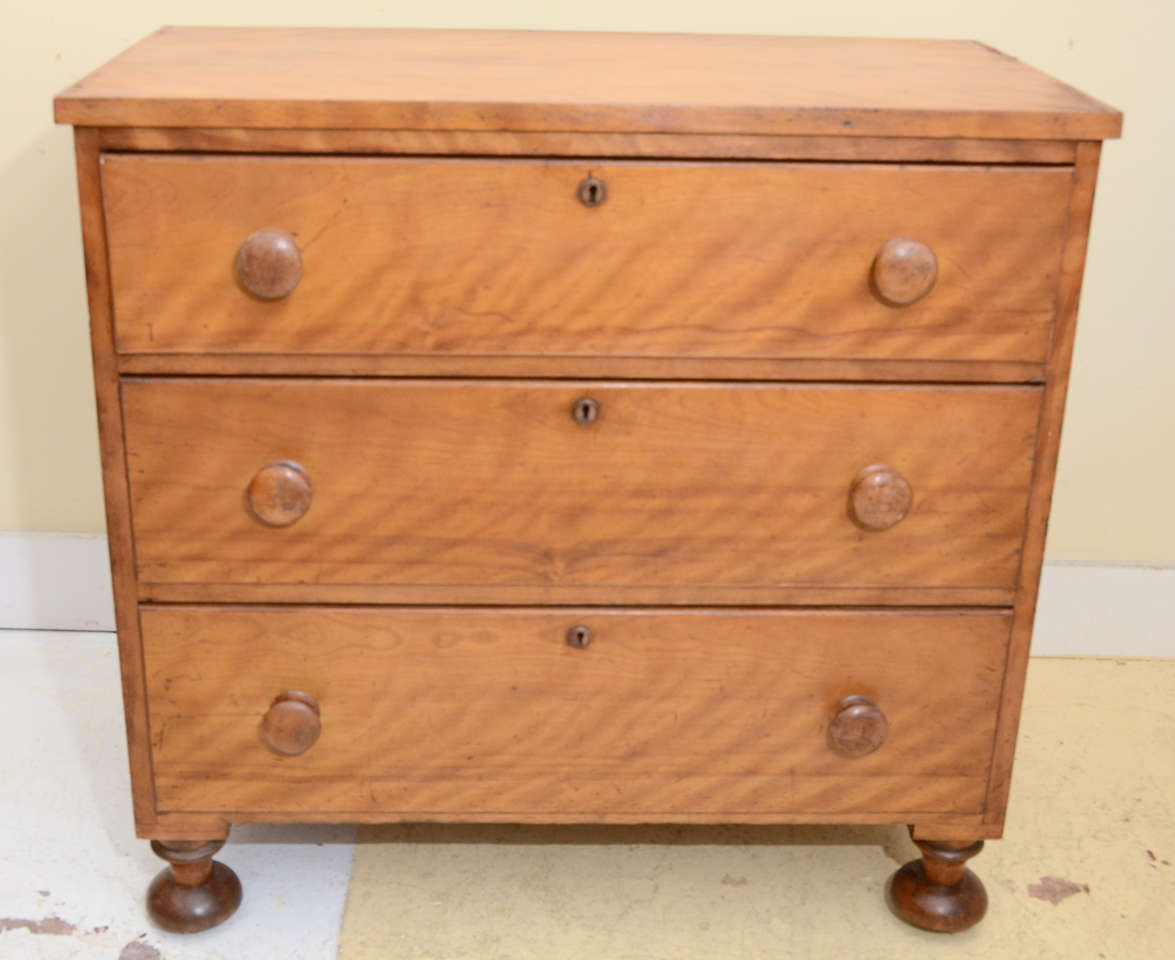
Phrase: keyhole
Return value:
(579, 636)
(592, 192)
(586, 410)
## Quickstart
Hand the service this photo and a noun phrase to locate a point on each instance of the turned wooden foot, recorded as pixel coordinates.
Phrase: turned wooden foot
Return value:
(938, 892)
(195, 892)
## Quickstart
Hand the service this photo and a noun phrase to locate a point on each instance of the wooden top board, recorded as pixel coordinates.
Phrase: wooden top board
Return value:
(579, 81)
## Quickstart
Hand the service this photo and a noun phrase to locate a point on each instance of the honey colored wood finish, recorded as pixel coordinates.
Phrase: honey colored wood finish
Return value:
(500, 257)
(690, 488)
(211, 591)
(791, 321)
(620, 368)
(1048, 444)
(181, 825)
(119, 535)
(550, 81)
(584, 144)
(447, 710)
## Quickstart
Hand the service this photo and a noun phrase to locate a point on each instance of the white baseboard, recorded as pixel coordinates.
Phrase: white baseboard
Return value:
(55, 581)
(61, 581)
(1098, 611)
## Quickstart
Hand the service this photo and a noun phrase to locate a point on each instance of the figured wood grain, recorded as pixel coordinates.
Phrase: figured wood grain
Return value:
(583, 144)
(695, 826)
(579, 81)
(111, 447)
(1045, 459)
(211, 591)
(672, 495)
(621, 368)
(499, 257)
(489, 711)
(489, 484)
(957, 829)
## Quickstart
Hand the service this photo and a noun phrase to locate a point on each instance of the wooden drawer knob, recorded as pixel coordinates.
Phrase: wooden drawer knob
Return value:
(268, 264)
(280, 493)
(292, 723)
(858, 728)
(904, 271)
(879, 497)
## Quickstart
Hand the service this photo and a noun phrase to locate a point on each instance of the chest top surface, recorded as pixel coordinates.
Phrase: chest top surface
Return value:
(579, 81)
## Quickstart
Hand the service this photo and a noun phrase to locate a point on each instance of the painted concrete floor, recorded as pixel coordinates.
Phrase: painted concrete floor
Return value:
(71, 868)
(1093, 808)
(1091, 823)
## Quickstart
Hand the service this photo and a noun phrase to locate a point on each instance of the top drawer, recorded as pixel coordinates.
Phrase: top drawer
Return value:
(500, 258)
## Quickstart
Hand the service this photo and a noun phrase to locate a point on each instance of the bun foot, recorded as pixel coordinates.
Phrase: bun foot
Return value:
(938, 892)
(195, 892)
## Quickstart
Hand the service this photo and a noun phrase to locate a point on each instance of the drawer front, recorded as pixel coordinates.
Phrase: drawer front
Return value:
(480, 711)
(501, 258)
(698, 492)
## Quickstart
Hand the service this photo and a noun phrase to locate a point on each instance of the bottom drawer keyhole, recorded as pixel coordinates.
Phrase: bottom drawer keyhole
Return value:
(579, 636)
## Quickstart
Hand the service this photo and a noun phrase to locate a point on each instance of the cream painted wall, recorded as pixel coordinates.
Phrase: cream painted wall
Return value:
(1113, 502)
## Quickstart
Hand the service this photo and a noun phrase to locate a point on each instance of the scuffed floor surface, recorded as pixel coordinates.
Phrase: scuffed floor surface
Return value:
(1084, 870)
(72, 875)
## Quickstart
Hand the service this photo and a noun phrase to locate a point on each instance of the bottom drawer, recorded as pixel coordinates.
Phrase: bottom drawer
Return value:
(476, 712)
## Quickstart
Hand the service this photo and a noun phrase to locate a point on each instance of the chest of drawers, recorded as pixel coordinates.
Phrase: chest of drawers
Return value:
(577, 427)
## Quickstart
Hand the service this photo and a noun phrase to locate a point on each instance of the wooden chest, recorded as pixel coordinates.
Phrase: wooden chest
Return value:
(577, 427)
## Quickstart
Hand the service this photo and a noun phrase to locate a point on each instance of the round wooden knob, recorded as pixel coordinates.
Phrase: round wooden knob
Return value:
(879, 497)
(858, 728)
(904, 271)
(280, 493)
(268, 264)
(292, 723)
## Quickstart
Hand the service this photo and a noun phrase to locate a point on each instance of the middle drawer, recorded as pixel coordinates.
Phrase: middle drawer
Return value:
(584, 492)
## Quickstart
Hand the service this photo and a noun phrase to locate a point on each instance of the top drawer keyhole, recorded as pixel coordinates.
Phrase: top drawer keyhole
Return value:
(592, 191)
(585, 410)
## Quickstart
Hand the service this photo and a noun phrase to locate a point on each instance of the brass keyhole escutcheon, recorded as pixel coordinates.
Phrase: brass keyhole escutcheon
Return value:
(585, 410)
(579, 636)
(592, 191)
